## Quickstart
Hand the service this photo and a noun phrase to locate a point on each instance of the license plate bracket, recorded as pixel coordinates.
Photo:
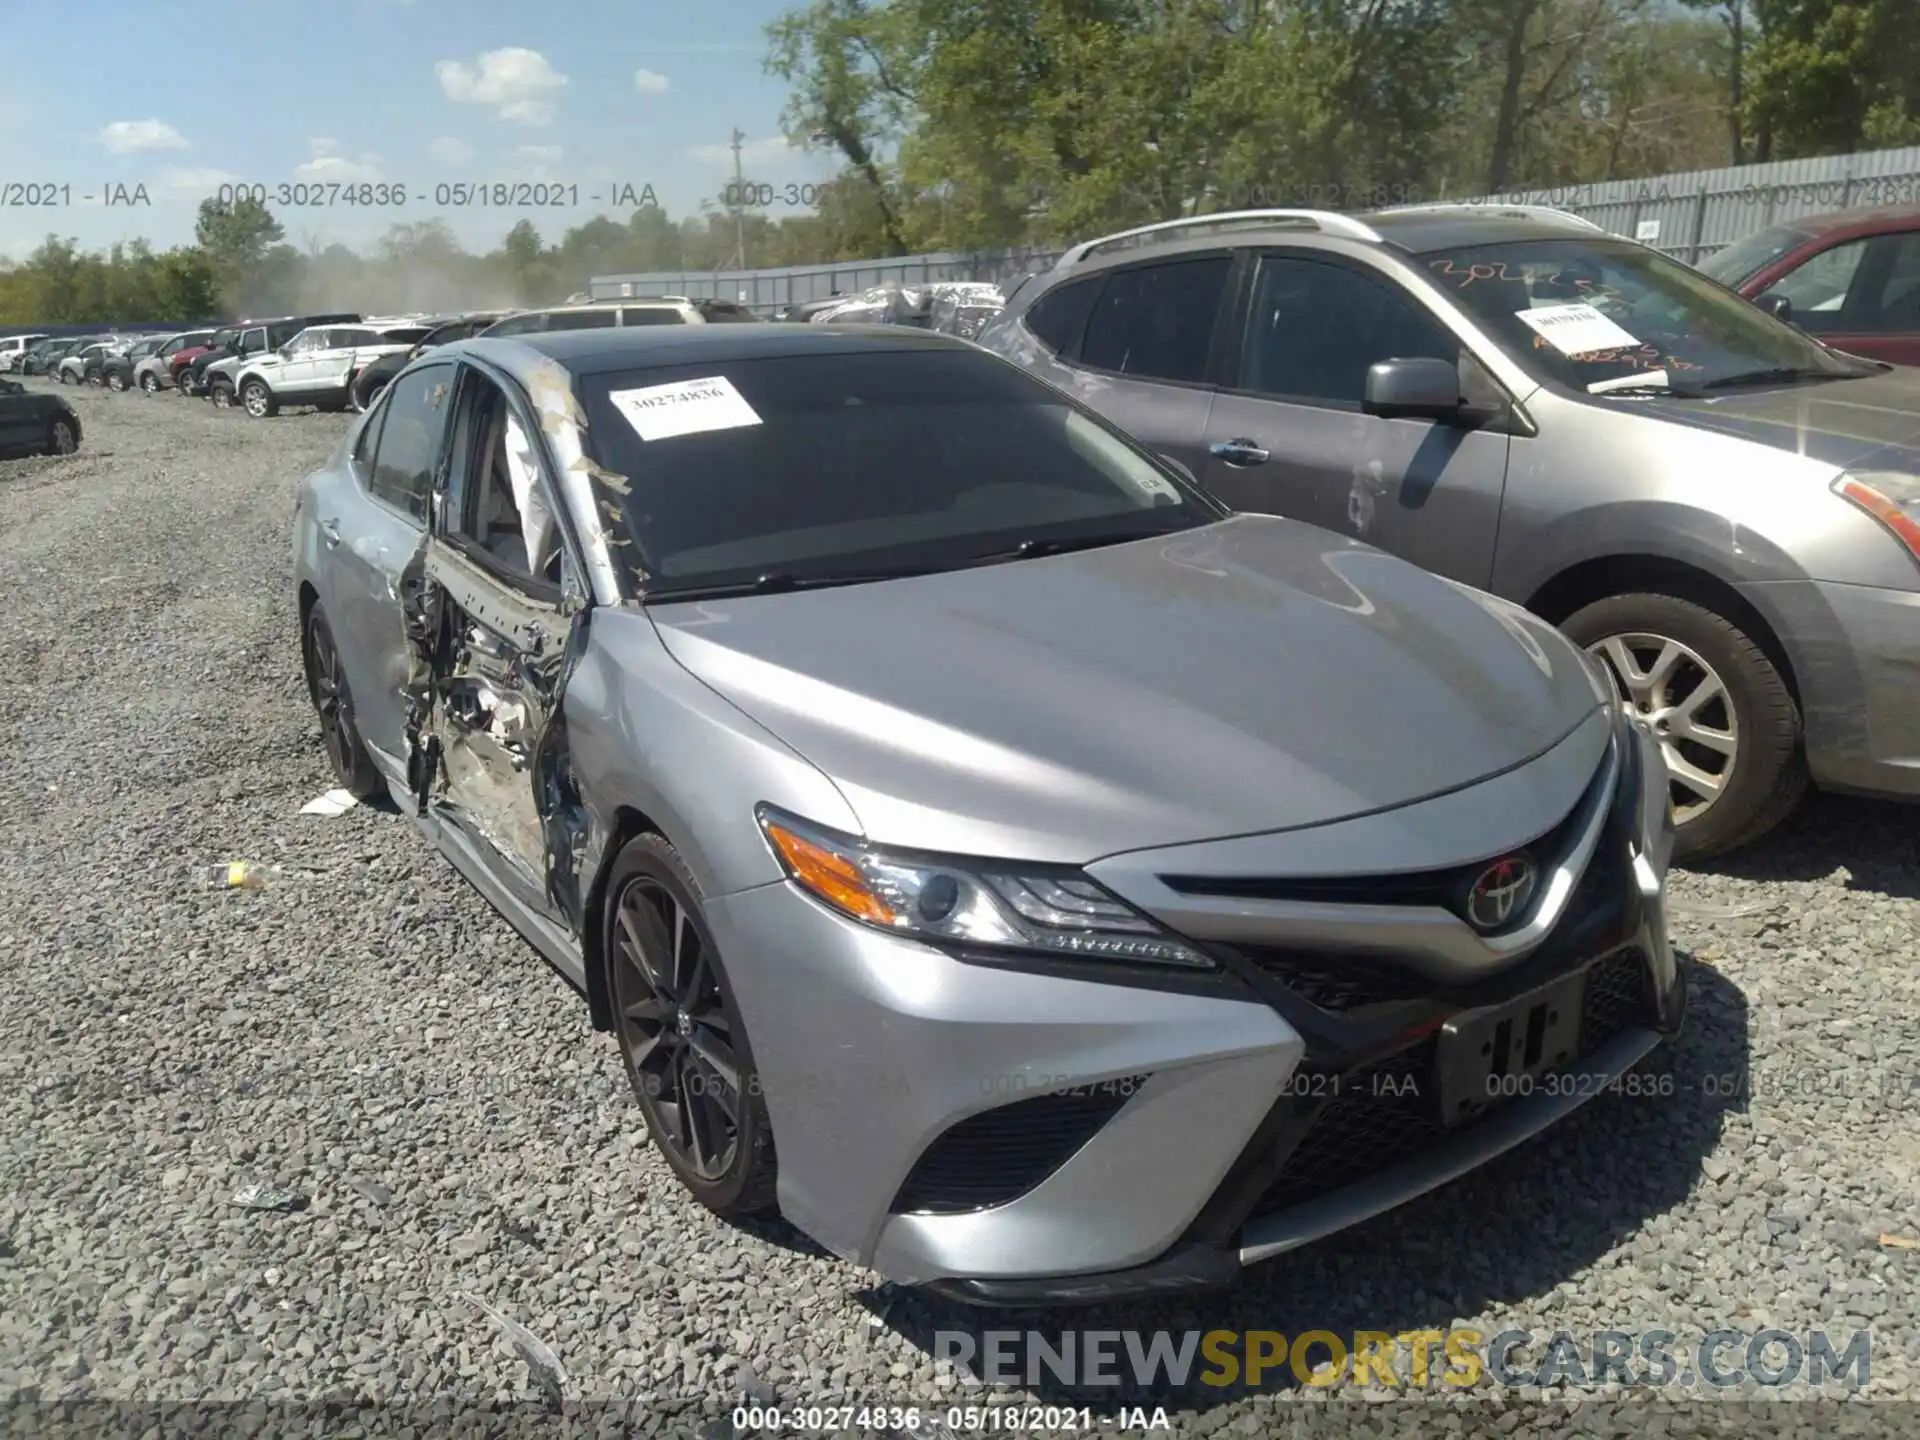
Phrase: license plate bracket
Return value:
(1496, 1053)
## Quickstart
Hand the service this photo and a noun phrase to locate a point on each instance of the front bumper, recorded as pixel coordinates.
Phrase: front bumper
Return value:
(1856, 659)
(1013, 1137)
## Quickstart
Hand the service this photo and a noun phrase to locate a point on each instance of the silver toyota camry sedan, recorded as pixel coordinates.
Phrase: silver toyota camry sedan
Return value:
(1032, 879)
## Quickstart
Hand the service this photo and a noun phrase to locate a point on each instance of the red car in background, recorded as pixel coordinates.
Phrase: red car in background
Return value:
(178, 362)
(1850, 278)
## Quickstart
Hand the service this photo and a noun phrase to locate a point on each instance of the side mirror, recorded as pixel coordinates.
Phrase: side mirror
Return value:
(1422, 389)
(1776, 305)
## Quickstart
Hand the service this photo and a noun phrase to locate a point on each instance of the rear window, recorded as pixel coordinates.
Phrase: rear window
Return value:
(410, 335)
(719, 312)
(579, 319)
(819, 465)
(1746, 258)
(1059, 317)
(651, 315)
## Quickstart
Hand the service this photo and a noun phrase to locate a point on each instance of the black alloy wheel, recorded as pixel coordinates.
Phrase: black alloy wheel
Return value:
(333, 703)
(685, 1048)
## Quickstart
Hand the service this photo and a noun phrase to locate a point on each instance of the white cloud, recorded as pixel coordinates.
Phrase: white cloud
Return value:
(329, 166)
(517, 83)
(195, 180)
(128, 137)
(651, 82)
(445, 150)
(772, 151)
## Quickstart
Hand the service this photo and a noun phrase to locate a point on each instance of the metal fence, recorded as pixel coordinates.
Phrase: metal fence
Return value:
(1689, 215)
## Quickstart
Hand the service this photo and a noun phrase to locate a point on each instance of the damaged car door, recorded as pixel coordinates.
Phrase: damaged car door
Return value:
(375, 532)
(496, 765)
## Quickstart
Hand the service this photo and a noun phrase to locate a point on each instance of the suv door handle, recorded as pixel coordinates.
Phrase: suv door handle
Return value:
(1238, 452)
(330, 532)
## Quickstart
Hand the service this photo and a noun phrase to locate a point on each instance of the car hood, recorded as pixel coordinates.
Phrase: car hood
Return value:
(1869, 423)
(1252, 675)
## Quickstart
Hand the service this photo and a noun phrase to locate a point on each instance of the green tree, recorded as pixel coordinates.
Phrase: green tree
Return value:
(236, 236)
(1830, 76)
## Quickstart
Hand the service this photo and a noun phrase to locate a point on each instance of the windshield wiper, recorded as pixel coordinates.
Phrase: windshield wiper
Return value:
(1035, 549)
(777, 582)
(1770, 375)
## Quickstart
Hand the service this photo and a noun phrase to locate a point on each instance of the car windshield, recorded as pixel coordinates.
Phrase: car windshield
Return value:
(813, 468)
(406, 335)
(1587, 313)
(1747, 257)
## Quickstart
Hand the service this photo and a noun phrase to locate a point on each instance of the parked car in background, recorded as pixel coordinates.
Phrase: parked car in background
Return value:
(13, 348)
(41, 359)
(34, 423)
(1725, 511)
(180, 365)
(318, 366)
(242, 341)
(154, 371)
(610, 314)
(374, 377)
(804, 311)
(84, 366)
(1850, 278)
(648, 691)
(117, 366)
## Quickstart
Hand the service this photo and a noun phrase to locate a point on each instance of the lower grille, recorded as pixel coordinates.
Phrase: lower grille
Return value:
(1387, 1112)
(997, 1156)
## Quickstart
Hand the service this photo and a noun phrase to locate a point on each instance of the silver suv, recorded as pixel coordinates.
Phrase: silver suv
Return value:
(319, 365)
(608, 314)
(1723, 509)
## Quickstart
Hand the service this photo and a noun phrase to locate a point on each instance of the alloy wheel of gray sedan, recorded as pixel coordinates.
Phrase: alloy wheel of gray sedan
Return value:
(1684, 702)
(674, 1028)
(333, 704)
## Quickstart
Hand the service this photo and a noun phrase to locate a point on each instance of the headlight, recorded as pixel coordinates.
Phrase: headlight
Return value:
(1891, 498)
(970, 902)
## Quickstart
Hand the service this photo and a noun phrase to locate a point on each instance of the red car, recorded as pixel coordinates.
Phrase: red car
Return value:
(1850, 278)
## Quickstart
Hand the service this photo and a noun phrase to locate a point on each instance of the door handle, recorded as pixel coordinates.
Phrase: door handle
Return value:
(1238, 452)
(330, 532)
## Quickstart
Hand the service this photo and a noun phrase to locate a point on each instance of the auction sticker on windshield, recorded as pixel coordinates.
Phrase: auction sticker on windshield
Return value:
(1576, 329)
(686, 407)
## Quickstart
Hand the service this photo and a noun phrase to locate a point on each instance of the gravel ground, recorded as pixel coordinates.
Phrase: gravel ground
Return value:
(368, 1034)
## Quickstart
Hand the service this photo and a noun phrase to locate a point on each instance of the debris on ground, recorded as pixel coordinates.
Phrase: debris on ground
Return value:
(265, 1197)
(1694, 910)
(334, 802)
(541, 1361)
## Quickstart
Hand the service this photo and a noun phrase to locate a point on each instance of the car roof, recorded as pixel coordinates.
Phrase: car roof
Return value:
(1873, 221)
(595, 352)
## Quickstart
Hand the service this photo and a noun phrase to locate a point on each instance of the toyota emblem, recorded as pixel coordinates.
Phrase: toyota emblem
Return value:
(1500, 893)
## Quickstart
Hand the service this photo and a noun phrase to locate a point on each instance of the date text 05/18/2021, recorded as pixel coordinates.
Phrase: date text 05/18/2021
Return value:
(359, 195)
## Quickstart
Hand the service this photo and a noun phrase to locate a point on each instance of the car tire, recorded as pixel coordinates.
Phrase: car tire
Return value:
(221, 394)
(149, 384)
(62, 438)
(257, 400)
(118, 381)
(353, 767)
(1682, 652)
(366, 394)
(679, 1072)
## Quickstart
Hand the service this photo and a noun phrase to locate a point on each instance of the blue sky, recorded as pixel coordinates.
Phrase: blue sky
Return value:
(588, 93)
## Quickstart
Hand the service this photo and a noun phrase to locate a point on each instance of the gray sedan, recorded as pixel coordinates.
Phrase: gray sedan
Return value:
(1030, 878)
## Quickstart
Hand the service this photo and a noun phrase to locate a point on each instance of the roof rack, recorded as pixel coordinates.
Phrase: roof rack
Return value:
(1328, 222)
(1545, 213)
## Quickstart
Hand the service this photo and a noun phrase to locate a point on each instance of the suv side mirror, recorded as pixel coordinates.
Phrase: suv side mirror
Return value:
(1418, 389)
(1776, 305)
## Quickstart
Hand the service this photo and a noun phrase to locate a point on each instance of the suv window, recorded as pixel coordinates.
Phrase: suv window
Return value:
(520, 324)
(580, 319)
(1818, 287)
(1315, 329)
(1156, 321)
(410, 434)
(1059, 317)
(1896, 309)
(652, 315)
(278, 335)
(252, 342)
